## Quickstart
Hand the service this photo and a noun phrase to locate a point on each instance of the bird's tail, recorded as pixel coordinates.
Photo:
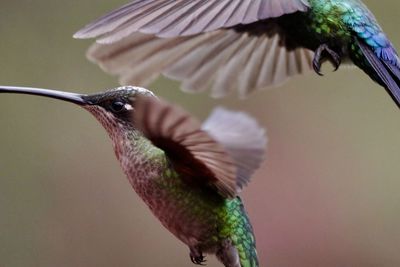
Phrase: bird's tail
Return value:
(242, 241)
(382, 65)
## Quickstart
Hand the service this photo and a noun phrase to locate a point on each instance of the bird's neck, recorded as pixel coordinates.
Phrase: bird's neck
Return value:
(139, 158)
(143, 163)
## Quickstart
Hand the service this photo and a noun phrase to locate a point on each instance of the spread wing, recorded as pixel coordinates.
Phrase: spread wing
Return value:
(223, 60)
(225, 45)
(172, 18)
(192, 151)
(196, 153)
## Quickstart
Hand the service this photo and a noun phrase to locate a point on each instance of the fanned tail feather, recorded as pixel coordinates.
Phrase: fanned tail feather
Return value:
(386, 68)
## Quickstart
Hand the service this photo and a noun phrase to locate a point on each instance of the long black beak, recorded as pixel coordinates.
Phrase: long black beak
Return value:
(66, 96)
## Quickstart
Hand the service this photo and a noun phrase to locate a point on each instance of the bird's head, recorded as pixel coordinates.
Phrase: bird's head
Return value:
(113, 108)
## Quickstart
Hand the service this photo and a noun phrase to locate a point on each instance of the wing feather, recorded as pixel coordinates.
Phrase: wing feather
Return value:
(224, 60)
(243, 139)
(223, 152)
(195, 154)
(171, 18)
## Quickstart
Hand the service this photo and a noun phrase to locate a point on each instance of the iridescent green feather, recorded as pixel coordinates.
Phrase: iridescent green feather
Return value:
(240, 231)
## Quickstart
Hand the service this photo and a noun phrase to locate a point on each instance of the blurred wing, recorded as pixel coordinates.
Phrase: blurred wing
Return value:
(171, 18)
(225, 60)
(242, 137)
(192, 151)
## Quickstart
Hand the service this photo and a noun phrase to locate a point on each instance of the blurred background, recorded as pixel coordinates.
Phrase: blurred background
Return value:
(327, 195)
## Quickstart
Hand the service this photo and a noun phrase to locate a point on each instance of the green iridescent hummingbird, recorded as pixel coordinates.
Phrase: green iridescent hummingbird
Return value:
(240, 44)
(189, 174)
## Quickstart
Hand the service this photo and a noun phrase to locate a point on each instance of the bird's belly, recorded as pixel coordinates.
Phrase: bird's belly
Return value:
(191, 230)
(186, 212)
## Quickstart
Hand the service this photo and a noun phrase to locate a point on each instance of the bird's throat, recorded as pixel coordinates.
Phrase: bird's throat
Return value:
(140, 160)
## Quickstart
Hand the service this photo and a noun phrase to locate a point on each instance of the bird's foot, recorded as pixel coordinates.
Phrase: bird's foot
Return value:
(335, 58)
(197, 257)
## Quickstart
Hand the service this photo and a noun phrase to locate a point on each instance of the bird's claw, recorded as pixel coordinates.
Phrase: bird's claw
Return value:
(197, 258)
(318, 57)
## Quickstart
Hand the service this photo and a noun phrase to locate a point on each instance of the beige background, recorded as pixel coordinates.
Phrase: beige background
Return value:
(328, 194)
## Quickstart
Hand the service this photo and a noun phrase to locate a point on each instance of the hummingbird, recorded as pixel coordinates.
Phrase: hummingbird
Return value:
(240, 45)
(189, 174)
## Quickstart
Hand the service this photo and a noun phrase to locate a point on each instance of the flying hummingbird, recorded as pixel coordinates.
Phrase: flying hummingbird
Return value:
(189, 174)
(240, 44)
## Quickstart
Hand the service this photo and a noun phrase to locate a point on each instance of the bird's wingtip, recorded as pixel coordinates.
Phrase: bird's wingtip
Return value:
(81, 34)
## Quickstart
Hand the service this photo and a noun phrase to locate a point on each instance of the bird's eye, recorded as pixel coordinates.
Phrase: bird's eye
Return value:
(117, 106)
